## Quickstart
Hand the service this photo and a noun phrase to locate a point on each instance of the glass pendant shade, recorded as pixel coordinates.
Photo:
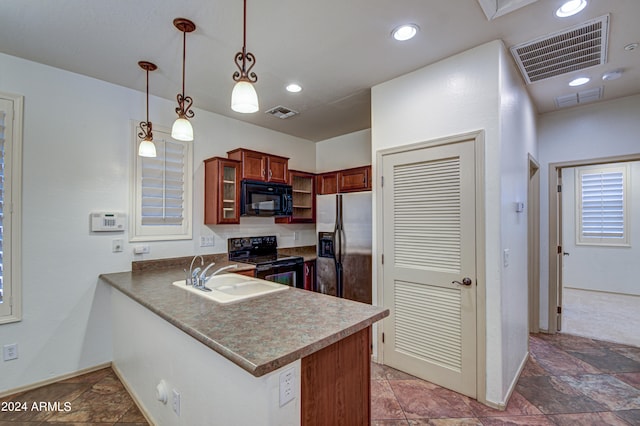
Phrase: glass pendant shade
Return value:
(147, 148)
(182, 130)
(244, 98)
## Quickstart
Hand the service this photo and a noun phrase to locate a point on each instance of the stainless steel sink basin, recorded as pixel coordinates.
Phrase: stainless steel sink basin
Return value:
(227, 288)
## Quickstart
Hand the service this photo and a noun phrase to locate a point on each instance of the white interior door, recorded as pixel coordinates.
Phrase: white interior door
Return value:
(429, 270)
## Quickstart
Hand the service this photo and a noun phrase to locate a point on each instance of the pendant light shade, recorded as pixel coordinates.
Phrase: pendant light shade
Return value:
(182, 129)
(146, 148)
(244, 98)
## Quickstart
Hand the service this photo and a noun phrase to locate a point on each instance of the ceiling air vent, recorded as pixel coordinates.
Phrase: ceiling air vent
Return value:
(577, 48)
(579, 98)
(282, 112)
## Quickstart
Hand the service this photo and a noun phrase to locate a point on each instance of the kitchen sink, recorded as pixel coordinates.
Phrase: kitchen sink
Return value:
(227, 288)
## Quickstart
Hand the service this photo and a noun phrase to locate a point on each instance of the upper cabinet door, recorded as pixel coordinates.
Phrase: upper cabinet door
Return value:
(260, 166)
(327, 183)
(357, 179)
(277, 169)
(254, 165)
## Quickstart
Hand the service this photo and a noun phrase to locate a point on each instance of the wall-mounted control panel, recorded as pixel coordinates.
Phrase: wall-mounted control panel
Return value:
(107, 222)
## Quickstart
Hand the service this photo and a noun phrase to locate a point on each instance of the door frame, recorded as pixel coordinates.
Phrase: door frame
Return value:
(533, 233)
(555, 224)
(478, 137)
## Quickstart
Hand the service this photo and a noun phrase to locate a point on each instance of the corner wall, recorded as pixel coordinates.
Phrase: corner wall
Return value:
(457, 95)
(77, 150)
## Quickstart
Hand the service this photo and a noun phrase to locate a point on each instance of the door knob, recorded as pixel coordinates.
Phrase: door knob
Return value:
(465, 281)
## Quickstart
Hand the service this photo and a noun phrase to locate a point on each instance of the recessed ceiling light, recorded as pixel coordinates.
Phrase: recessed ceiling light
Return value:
(293, 88)
(405, 32)
(570, 8)
(579, 81)
(612, 75)
(631, 46)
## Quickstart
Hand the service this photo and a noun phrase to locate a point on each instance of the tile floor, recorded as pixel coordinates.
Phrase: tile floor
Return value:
(96, 398)
(568, 380)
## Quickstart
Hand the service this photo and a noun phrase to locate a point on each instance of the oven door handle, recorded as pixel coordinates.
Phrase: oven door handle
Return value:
(285, 265)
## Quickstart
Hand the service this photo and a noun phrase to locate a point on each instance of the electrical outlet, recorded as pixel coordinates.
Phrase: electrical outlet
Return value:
(142, 249)
(287, 386)
(175, 402)
(206, 241)
(10, 352)
(506, 254)
(116, 245)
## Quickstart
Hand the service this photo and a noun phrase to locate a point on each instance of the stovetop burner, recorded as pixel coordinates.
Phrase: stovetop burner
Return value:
(257, 251)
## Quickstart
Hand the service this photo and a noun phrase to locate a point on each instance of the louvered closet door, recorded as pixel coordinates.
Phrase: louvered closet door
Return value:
(429, 242)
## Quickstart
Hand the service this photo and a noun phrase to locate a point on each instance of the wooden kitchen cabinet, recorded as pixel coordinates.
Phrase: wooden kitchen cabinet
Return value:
(310, 275)
(356, 179)
(327, 183)
(247, 273)
(261, 166)
(221, 191)
(336, 383)
(303, 192)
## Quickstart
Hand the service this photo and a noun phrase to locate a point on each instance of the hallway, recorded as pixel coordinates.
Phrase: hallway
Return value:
(568, 380)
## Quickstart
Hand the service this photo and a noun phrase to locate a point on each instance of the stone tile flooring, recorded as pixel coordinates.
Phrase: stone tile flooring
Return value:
(96, 398)
(568, 380)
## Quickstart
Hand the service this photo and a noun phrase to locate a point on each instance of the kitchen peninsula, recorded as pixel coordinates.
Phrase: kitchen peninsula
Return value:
(240, 363)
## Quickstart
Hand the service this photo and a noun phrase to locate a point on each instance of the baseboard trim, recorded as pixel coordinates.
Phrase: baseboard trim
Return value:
(53, 380)
(503, 405)
(133, 395)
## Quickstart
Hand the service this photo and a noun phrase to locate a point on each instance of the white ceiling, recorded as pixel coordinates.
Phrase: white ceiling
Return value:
(336, 49)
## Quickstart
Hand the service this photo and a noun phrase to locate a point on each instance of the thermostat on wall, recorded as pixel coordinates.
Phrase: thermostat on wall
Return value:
(107, 222)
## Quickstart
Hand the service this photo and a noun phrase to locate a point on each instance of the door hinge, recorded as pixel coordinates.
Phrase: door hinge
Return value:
(383, 258)
(381, 180)
(559, 188)
(382, 337)
(559, 249)
(559, 309)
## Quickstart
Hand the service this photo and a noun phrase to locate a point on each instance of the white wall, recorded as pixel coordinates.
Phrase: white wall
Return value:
(344, 152)
(458, 95)
(592, 131)
(518, 139)
(601, 268)
(77, 150)
(213, 390)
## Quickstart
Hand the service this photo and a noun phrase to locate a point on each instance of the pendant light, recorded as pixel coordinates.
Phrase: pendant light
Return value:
(244, 97)
(146, 148)
(182, 129)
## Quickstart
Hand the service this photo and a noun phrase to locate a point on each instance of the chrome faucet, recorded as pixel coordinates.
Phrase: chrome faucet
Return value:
(202, 280)
(192, 278)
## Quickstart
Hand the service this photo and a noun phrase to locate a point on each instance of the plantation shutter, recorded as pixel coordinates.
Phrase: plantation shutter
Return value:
(2, 180)
(603, 205)
(163, 185)
(162, 189)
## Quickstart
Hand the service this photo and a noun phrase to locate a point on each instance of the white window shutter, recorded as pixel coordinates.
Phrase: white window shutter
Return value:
(602, 212)
(161, 205)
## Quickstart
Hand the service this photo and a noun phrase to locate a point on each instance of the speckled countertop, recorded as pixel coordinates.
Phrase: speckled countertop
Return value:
(261, 334)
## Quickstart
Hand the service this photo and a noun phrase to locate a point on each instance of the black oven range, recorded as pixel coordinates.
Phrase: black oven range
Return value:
(263, 253)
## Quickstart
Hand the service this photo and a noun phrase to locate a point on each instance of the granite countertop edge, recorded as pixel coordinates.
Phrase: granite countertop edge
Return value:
(256, 369)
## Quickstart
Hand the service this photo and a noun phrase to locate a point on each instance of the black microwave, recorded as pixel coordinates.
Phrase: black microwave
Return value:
(265, 199)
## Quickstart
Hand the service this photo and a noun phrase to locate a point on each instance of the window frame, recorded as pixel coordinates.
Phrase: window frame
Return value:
(582, 240)
(12, 210)
(138, 232)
